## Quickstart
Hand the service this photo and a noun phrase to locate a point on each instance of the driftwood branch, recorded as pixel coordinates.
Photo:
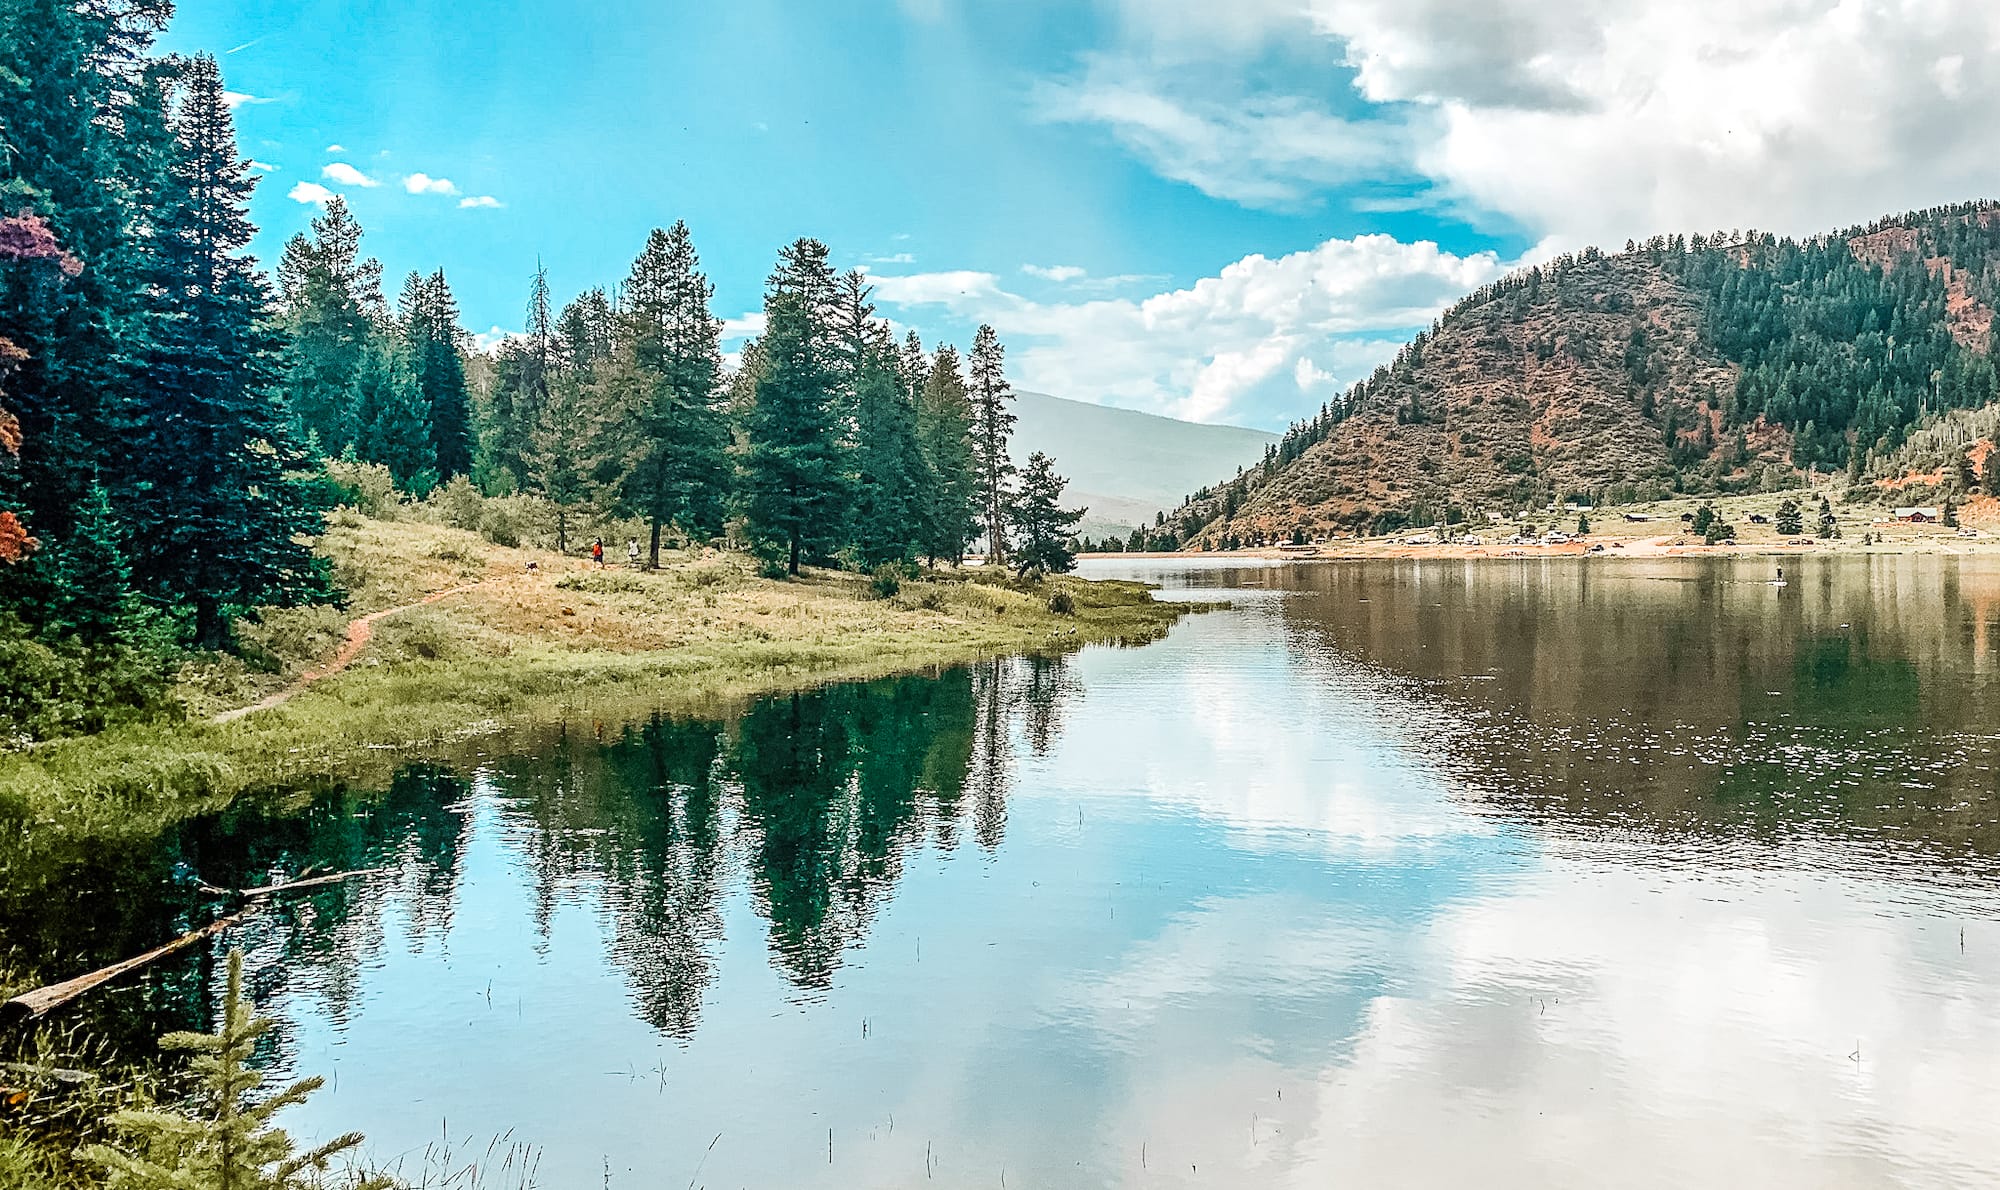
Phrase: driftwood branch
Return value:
(272, 890)
(41, 1000)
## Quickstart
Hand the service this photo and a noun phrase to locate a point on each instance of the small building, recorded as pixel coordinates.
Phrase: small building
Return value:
(1637, 518)
(1758, 518)
(1923, 515)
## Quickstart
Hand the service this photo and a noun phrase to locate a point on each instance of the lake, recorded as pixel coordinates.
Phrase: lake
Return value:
(1508, 873)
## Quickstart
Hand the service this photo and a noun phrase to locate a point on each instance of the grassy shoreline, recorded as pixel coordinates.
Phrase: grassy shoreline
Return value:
(525, 645)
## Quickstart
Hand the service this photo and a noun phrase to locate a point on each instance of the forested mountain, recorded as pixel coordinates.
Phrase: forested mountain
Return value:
(1125, 466)
(1705, 363)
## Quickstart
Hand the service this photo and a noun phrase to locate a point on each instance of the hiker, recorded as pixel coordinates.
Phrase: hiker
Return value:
(597, 551)
(632, 551)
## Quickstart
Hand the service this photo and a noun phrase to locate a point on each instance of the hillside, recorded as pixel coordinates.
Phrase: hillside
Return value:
(1726, 363)
(1125, 466)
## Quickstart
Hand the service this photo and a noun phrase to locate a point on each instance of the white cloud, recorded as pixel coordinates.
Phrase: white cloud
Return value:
(488, 340)
(263, 166)
(425, 184)
(1261, 150)
(1593, 120)
(894, 258)
(343, 174)
(1257, 343)
(743, 326)
(236, 99)
(336, 148)
(479, 200)
(311, 192)
(1059, 273)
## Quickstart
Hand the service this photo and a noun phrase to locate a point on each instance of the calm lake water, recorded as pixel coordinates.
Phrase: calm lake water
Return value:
(1505, 873)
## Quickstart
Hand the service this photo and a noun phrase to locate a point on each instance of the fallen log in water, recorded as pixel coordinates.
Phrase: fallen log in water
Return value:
(41, 1000)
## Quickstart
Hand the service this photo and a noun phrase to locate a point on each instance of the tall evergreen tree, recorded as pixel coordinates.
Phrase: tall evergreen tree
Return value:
(794, 490)
(891, 476)
(392, 420)
(1044, 528)
(522, 373)
(944, 433)
(220, 520)
(83, 149)
(431, 343)
(557, 461)
(585, 330)
(992, 426)
(669, 437)
(332, 300)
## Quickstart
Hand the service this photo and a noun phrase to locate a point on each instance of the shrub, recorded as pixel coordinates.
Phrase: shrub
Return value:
(459, 504)
(63, 687)
(886, 581)
(603, 582)
(1062, 603)
(368, 487)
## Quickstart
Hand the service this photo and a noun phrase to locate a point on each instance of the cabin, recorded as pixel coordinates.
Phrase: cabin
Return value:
(1919, 516)
(1758, 518)
(1637, 518)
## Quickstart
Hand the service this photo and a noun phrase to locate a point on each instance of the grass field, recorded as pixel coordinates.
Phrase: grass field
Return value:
(559, 638)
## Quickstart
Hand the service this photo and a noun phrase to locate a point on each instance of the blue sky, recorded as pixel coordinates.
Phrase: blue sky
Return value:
(1226, 212)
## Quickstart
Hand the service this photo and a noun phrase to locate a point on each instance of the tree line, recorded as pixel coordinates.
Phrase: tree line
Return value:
(167, 410)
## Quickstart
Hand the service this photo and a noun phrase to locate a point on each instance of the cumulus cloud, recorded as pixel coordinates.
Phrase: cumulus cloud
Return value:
(479, 200)
(421, 183)
(236, 99)
(263, 166)
(1059, 273)
(1592, 120)
(336, 148)
(343, 174)
(309, 192)
(1255, 344)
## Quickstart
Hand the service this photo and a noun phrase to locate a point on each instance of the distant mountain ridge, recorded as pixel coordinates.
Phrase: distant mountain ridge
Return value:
(1124, 465)
(1706, 363)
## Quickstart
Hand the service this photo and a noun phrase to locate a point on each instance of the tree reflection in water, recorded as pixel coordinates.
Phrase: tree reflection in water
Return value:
(818, 799)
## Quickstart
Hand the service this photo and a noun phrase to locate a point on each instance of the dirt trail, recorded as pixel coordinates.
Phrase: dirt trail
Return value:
(359, 633)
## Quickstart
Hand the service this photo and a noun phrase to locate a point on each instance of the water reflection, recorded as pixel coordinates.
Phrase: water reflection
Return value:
(1636, 874)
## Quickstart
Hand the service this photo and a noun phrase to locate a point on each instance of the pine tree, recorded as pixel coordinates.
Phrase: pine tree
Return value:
(1829, 527)
(1790, 523)
(431, 344)
(794, 490)
(585, 332)
(669, 439)
(332, 299)
(944, 433)
(557, 460)
(992, 426)
(890, 472)
(26, 246)
(232, 1144)
(523, 371)
(237, 537)
(83, 149)
(391, 416)
(1044, 529)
